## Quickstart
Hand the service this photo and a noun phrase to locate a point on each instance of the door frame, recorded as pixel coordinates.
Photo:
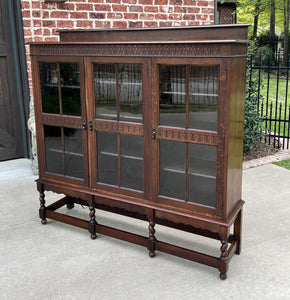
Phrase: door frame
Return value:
(20, 64)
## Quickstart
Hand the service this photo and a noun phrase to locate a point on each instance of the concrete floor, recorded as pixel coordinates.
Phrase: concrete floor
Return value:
(58, 261)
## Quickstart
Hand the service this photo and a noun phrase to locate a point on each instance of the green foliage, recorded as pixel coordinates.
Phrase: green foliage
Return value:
(246, 12)
(253, 122)
(283, 163)
(282, 40)
(264, 39)
(265, 53)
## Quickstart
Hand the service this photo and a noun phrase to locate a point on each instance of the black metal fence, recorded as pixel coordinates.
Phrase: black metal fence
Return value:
(273, 103)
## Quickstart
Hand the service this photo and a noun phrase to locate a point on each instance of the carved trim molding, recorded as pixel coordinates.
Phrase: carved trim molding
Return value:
(187, 135)
(119, 127)
(128, 49)
(61, 121)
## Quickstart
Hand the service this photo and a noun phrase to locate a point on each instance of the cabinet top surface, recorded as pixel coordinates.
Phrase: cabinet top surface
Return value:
(189, 34)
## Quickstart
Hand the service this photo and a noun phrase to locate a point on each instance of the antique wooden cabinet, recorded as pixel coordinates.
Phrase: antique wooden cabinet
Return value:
(147, 123)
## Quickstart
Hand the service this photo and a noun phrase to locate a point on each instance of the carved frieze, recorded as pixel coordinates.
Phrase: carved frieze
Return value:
(188, 135)
(119, 127)
(62, 121)
(148, 49)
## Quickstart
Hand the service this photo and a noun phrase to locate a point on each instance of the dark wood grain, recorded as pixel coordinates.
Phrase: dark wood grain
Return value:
(119, 127)
(227, 32)
(187, 135)
(221, 47)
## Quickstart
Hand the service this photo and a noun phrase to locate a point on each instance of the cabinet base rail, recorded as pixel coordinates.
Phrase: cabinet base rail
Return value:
(150, 242)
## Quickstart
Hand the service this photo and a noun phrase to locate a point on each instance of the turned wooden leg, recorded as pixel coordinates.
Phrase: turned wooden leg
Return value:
(69, 202)
(223, 265)
(42, 208)
(238, 231)
(152, 239)
(92, 224)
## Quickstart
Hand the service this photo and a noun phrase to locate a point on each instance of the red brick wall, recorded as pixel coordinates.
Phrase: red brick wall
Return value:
(42, 19)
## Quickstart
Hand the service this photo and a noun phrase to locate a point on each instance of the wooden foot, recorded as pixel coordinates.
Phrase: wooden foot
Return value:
(69, 203)
(223, 263)
(152, 239)
(42, 208)
(92, 225)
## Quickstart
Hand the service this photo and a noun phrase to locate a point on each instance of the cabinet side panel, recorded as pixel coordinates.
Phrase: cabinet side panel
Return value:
(236, 131)
(37, 109)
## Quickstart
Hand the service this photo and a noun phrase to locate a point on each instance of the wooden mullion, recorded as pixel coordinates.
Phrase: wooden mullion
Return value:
(63, 150)
(59, 89)
(155, 165)
(119, 160)
(187, 97)
(186, 126)
(147, 130)
(186, 172)
(84, 93)
(60, 112)
(118, 119)
(117, 92)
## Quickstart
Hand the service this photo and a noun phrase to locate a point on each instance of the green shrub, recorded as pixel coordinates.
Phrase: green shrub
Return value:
(264, 53)
(253, 122)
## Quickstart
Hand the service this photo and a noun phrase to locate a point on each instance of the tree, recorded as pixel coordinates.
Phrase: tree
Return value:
(249, 11)
(272, 26)
(256, 18)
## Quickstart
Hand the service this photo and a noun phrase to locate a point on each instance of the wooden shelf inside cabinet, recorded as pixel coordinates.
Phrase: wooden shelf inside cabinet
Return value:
(146, 123)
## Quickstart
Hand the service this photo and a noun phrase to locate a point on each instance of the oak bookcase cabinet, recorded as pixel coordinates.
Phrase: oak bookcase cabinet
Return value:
(146, 123)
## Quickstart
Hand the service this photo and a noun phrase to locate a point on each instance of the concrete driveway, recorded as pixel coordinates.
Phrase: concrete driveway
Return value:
(57, 261)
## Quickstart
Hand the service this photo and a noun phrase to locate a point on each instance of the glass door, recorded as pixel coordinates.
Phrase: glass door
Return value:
(63, 118)
(186, 133)
(117, 126)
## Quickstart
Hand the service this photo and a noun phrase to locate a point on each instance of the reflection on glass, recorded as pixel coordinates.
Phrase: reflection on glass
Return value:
(70, 89)
(105, 91)
(49, 87)
(172, 169)
(130, 92)
(172, 95)
(73, 153)
(132, 162)
(107, 147)
(53, 149)
(203, 95)
(201, 174)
